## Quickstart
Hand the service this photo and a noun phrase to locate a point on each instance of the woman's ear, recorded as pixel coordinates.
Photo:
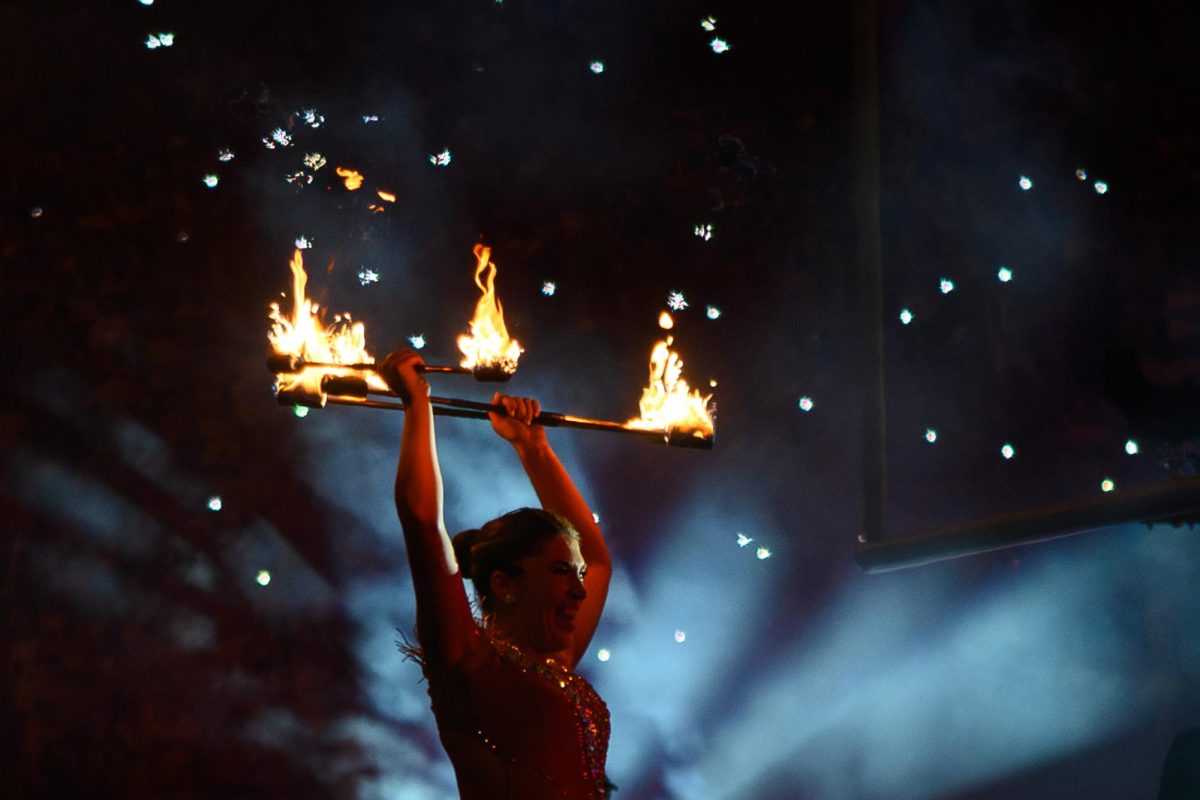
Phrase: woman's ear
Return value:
(504, 588)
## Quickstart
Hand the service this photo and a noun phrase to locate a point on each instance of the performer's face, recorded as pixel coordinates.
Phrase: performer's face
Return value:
(548, 594)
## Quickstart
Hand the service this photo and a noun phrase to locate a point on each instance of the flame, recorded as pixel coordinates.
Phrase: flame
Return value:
(668, 403)
(386, 196)
(304, 334)
(488, 344)
(353, 179)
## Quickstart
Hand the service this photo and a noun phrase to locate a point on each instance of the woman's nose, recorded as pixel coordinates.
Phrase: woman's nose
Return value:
(577, 587)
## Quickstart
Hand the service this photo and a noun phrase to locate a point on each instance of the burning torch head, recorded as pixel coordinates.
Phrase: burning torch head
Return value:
(300, 393)
(491, 374)
(312, 389)
(691, 439)
(281, 363)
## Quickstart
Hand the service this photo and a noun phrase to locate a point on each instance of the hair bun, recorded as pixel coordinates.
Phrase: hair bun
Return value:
(463, 542)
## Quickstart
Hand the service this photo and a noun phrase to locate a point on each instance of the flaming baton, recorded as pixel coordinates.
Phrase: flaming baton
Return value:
(317, 364)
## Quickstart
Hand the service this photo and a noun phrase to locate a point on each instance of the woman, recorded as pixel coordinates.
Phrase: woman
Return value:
(515, 720)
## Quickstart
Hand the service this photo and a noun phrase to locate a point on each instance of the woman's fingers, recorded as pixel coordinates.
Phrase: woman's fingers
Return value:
(523, 409)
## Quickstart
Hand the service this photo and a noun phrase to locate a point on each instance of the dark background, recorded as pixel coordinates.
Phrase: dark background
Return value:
(145, 660)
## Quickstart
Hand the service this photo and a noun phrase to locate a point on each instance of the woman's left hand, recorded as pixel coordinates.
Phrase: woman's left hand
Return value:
(516, 424)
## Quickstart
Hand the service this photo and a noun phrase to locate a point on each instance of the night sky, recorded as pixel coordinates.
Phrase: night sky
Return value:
(1037, 190)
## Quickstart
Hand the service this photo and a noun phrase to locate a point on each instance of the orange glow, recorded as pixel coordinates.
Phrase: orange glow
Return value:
(353, 179)
(304, 334)
(488, 344)
(665, 322)
(387, 197)
(668, 403)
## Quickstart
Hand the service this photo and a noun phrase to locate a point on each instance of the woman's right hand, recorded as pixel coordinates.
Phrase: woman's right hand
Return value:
(399, 370)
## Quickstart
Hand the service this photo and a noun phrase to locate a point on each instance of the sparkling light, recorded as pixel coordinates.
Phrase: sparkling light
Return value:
(1025, 183)
(300, 411)
(35, 212)
(224, 155)
(596, 67)
(441, 159)
(680, 637)
(712, 312)
(300, 178)
(1004, 274)
(211, 180)
(1081, 174)
(930, 435)
(762, 553)
(1131, 447)
(303, 243)
(417, 340)
(146, 2)
(1101, 187)
(709, 24)
(595, 518)
(181, 237)
(946, 286)
(369, 118)
(549, 288)
(1107, 485)
(161, 40)
(366, 276)
(719, 45)
(1008, 451)
(743, 539)
(806, 403)
(352, 179)
(263, 577)
(704, 232)
(311, 118)
(214, 503)
(314, 161)
(278, 137)
(676, 301)
(906, 316)
(603, 655)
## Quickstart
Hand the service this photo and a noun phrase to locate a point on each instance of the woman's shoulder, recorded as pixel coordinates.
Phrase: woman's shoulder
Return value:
(482, 649)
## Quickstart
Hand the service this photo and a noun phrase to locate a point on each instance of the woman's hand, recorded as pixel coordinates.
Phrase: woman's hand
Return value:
(399, 370)
(516, 424)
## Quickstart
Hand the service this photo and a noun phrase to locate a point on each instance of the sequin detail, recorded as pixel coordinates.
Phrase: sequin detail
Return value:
(591, 714)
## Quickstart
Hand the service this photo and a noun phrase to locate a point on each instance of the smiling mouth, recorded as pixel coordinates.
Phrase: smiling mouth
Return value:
(564, 620)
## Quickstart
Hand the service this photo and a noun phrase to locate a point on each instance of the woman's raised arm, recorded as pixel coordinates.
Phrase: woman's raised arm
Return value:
(445, 626)
(557, 493)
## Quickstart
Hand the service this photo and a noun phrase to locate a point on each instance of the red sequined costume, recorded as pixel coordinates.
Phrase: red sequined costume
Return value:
(520, 728)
